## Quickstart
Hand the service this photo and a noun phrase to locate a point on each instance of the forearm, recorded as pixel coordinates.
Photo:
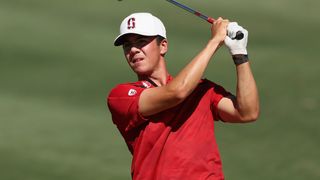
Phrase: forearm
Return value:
(247, 99)
(188, 78)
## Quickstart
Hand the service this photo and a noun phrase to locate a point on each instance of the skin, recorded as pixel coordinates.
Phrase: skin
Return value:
(146, 58)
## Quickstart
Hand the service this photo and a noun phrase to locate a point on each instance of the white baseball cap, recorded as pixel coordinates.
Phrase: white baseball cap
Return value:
(140, 23)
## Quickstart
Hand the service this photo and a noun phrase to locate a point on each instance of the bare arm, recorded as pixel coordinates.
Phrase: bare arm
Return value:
(157, 99)
(245, 106)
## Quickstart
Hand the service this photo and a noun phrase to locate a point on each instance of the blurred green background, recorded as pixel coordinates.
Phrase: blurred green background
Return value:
(58, 63)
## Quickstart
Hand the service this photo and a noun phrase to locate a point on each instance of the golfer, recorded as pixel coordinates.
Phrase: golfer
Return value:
(168, 122)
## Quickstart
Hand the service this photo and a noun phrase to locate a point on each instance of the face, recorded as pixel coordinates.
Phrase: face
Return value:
(143, 53)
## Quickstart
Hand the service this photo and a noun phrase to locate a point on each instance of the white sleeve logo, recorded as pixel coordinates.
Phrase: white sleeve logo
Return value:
(132, 92)
(146, 84)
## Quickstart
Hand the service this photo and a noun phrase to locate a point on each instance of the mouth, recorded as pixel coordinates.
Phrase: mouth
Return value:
(135, 60)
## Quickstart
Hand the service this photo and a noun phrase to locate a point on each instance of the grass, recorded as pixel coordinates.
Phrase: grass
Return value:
(57, 64)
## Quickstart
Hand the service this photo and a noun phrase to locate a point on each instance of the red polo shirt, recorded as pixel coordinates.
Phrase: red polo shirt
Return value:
(178, 143)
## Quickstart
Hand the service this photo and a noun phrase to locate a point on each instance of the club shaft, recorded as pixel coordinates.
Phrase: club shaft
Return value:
(202, 16)
(239, 34)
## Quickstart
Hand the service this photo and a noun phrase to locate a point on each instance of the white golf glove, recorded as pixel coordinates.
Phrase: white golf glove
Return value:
(236, 46)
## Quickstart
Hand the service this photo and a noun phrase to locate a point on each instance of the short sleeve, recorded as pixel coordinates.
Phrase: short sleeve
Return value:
(123, 103)
(218, 92)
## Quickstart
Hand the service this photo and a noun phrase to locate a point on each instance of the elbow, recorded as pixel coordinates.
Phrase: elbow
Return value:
(179, 94)
(250, 117)
(250, 114)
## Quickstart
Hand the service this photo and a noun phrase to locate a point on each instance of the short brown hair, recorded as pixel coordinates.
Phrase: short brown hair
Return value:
(159, 39)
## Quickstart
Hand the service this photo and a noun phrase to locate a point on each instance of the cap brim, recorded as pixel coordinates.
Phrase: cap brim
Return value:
(119, 40)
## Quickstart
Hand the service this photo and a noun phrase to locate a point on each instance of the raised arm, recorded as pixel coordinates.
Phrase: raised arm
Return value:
(245, 106)
(157, 99)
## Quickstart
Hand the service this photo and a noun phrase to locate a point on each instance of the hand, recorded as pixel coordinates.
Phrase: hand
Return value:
(219, 29)
(236, 46)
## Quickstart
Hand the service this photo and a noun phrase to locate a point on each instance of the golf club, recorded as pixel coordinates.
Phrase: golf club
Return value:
(239, 34)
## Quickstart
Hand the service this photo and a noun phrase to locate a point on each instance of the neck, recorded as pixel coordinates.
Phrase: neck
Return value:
(158, 76)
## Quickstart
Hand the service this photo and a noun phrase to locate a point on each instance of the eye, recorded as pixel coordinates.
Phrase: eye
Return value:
(126, 46)
(142, 41)
(138, 43)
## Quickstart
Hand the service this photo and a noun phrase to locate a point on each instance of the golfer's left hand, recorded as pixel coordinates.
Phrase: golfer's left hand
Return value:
(236, 46)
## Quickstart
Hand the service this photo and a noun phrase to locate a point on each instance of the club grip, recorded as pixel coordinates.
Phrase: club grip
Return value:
(239, 35)
(210, 20)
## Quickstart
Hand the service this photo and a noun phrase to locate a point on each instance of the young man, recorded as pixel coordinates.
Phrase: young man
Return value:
(168, 122)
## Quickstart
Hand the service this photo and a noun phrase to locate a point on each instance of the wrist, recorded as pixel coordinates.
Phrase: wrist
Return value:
(240, 58)
(213, 44)
(214, 41)
(238, 51)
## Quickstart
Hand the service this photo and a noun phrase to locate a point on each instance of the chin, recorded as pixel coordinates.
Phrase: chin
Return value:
(140, 71)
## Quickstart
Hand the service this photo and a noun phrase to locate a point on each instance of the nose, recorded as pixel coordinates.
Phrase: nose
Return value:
(129, 47)
(133, 50)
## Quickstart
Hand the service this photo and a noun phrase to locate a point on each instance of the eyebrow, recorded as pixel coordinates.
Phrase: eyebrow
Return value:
(136, 38)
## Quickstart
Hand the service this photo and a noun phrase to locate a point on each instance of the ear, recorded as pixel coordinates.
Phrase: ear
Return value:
(163, 47)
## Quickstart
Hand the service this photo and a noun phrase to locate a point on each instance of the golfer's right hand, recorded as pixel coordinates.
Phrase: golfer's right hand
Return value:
(219, 29)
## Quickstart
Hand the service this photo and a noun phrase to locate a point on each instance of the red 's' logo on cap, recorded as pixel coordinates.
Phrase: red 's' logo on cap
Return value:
(131, 23)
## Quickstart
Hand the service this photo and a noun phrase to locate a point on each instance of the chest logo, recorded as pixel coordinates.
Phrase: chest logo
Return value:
(132, 92)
